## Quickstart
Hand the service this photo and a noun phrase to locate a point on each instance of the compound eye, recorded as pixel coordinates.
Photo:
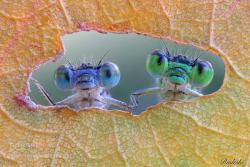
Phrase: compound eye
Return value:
(157, 64)
(109, 75)
(63, 77)
(202, 74)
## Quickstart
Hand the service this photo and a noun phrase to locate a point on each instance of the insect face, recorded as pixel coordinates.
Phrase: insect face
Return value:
(178, 73)
(176, 69)
(179, 69)
(82, 78)
(87, 76)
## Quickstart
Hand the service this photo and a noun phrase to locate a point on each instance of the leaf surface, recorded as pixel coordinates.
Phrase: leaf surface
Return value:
(200, 133)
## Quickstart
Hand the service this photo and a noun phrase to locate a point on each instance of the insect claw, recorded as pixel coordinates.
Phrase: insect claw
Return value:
(131, 109)
(134, 103)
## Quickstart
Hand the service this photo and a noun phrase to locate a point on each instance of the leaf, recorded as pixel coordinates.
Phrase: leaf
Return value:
(205, 132)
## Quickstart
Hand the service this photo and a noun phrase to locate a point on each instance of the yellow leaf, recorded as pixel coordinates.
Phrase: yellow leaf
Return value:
(206, 132)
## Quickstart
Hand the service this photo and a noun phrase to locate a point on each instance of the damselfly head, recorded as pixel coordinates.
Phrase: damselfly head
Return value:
(87, 76)
(179, 69)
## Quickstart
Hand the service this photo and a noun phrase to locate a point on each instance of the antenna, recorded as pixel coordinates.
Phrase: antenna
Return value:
(103, 57)
(196, 59)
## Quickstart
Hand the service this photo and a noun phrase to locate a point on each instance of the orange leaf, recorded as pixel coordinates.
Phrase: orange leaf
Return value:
(205, 132)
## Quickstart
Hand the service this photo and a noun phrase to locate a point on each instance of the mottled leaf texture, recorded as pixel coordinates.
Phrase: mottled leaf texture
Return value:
(205, 132)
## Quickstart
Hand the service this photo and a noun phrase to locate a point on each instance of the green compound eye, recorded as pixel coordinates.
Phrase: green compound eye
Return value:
(202, 74)
(157, 64)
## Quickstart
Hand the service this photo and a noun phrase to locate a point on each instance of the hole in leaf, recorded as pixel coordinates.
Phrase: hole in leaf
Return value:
(129, 52)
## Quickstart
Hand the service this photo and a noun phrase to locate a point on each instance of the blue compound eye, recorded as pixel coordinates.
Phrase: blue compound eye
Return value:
(109, 75)
(63, 77)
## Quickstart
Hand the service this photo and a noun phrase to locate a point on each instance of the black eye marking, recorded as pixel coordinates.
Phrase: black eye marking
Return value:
(108, 73)
(160, 59)
(201, 67)
(66, 76)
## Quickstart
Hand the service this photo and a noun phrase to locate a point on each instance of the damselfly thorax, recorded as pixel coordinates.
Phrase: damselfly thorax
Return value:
(87, 98)
(175, 92)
